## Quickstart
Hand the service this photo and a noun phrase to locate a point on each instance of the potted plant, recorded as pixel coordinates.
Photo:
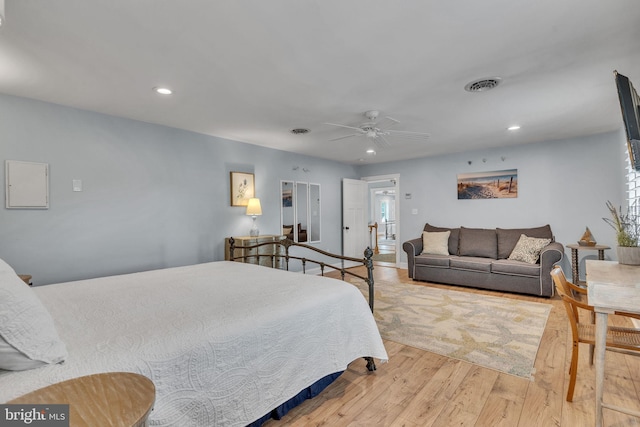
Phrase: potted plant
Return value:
(627, 227)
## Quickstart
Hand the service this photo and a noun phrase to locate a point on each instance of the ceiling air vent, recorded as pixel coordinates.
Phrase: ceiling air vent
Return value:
(299, 131)
(482, 85)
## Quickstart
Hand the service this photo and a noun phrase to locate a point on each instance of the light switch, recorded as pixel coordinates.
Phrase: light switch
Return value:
(414, 211)
(77, 185)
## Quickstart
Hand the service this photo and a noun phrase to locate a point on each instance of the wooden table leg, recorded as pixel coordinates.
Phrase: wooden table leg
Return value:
(601, 338)
(574, 266)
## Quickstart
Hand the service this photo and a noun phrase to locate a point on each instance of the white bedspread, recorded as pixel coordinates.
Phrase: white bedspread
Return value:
(223, 342)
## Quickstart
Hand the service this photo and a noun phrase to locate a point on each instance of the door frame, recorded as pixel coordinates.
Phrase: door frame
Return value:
(390, 177)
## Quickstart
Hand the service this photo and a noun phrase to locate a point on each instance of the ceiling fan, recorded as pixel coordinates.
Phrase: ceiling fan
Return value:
(376, 130)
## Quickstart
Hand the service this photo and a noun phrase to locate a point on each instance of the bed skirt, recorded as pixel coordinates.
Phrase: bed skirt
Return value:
(308, 393)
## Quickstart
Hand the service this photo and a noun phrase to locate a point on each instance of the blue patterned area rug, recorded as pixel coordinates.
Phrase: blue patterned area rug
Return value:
(498, 333)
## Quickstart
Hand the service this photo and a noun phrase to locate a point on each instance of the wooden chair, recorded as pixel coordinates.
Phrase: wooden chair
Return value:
(622, 340)
(577, 292)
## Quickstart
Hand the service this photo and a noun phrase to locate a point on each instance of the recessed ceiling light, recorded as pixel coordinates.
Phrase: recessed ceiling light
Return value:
(371, 152)
(162, 90)
(514, 127)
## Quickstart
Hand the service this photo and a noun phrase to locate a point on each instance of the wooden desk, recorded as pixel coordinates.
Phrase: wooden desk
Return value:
(611, 287)
(113, 399)
(575, 261)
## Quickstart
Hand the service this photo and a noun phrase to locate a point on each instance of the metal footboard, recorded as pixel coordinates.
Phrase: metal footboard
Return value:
(282, 252)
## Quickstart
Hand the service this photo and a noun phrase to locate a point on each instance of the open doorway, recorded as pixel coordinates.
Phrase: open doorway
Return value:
(383, 216)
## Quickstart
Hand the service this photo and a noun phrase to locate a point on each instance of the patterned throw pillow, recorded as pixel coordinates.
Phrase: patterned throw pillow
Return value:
(528, 249)
(435, 243)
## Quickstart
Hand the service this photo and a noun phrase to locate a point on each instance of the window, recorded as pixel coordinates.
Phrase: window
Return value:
(633, 186)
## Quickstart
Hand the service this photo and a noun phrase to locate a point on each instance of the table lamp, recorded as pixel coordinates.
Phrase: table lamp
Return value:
(254, 209)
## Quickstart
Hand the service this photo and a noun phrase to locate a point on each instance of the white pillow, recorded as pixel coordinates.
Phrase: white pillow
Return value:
(5, 267)
(28, 336)
(528, 249)
(435, 242)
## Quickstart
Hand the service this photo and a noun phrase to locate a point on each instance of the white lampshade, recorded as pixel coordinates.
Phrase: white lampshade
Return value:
(254, 208)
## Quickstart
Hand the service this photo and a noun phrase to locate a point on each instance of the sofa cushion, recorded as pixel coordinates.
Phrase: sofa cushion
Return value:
(435, 242)
(528, 249)
(478, 242)
(471, 263)
(519, 268)
(433, 260)
(508, 237)
(453, 237)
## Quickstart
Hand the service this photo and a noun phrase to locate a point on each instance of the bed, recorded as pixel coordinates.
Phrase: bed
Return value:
(224, 342)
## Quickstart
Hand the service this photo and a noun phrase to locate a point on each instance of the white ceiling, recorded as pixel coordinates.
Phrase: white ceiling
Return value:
(251, 70)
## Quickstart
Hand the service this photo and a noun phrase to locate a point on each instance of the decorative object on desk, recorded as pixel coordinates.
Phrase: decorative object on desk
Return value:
(627, 227)
(254, 209)
(242, 188)
(587, 239)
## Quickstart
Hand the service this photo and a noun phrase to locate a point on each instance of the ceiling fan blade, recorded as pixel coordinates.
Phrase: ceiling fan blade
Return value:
(381, 141)
(392, 119)
(346, 136)
(344, 126)
(387, 122)
(409, 134)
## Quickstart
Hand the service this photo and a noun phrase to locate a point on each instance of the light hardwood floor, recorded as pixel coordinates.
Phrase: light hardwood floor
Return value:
(418, 388)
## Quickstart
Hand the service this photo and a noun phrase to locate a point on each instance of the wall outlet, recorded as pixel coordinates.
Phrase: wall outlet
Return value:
(414, 211)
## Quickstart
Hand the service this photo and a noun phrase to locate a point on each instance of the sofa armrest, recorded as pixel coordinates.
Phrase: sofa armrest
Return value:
(412, 247)
(549, 256)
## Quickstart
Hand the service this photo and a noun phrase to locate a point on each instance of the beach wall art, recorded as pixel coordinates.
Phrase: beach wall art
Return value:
(488, 185)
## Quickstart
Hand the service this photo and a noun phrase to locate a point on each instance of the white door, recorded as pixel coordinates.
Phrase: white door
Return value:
(355, 229)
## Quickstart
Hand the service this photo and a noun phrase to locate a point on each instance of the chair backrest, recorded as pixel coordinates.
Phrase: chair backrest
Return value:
(560, 279)
(570, 304)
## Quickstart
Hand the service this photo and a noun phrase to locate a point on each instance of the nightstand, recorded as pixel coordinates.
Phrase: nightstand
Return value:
(108, 399)
(251, 255)
(26, 278)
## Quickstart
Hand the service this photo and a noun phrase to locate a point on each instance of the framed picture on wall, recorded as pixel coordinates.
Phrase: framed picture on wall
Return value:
(242, 188)
(488, 185)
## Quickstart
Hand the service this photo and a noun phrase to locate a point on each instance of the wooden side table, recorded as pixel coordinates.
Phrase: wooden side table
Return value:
(575, 271)
(121, 399)
(26, 278)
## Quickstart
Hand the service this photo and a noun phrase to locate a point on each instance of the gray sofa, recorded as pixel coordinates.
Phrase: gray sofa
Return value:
(479, 258)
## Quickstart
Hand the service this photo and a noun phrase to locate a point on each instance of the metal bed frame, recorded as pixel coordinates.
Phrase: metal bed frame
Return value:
(287, 244)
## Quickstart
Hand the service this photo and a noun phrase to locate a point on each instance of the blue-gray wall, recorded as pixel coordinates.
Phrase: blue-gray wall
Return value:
(152, 196)
(562, 183)
(157, 197)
